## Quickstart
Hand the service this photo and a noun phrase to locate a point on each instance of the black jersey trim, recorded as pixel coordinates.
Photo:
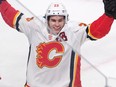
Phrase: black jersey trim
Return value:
(17, 22)
(87, 30)
(72, 68)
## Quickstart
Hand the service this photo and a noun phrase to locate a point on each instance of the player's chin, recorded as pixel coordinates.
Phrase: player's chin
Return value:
(56, 31)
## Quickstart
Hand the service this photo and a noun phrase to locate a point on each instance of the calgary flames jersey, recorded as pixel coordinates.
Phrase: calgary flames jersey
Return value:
(54, 59)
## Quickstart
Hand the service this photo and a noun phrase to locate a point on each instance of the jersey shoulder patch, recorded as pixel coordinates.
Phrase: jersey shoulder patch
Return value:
(29, 19)
(82, 24)
(75, 26)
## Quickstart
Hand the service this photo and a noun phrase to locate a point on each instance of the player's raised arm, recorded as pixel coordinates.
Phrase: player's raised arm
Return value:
(9, 14)
(100, 27)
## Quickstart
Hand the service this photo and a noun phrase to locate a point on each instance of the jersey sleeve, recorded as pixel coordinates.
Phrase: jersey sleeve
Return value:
(100, 27)
(77, 30)
(15, 19)
(9, 14)
(96, 30)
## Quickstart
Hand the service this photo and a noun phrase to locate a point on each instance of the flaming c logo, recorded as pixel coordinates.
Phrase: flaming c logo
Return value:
(43, 52)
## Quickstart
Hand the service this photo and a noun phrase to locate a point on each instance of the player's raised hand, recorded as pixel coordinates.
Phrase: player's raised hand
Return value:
(110, 8)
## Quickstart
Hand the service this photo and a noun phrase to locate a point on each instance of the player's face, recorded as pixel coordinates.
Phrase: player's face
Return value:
(56, 23)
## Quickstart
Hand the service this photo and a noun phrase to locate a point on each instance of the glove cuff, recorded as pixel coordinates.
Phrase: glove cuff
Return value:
(1, 1)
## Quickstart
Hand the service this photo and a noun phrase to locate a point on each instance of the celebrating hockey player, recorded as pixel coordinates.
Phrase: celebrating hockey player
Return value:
(55, 42)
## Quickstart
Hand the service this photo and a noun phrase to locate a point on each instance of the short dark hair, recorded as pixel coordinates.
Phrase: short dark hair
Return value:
(48, 18)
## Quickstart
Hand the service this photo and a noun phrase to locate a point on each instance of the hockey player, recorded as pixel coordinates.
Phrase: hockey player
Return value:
(55, 42)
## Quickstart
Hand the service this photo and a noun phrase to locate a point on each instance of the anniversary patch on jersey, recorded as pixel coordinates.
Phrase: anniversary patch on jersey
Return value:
(62, 37)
